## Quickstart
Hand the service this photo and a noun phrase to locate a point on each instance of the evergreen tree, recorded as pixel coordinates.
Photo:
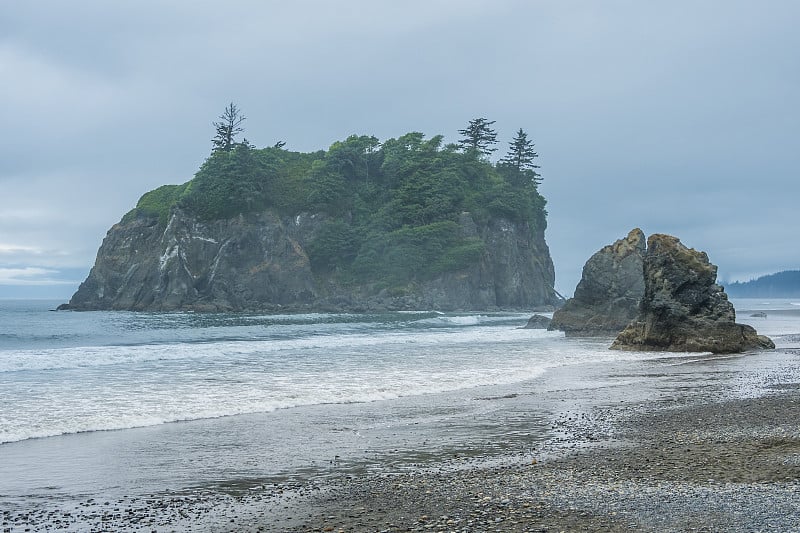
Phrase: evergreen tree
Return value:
(478, 137)
(229, 125)
(520, 157)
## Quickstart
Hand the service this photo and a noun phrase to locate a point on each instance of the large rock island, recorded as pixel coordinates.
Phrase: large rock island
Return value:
(683, 308)
(261, 262)
(408, 225)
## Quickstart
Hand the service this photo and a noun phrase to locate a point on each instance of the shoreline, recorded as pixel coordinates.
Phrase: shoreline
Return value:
(676, 443)
(686, 463)
(747, 481)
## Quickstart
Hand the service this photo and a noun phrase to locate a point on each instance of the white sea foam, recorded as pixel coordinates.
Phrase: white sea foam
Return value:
(89, 356)
(466, 320)
(121, 403)
(470, 320)
(300, 317)
(130, 386)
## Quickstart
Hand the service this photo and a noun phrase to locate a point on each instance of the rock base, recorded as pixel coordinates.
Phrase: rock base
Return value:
(722, 338)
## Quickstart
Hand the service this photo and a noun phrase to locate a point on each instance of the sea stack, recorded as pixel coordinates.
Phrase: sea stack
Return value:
(607, 297)
(683, 309)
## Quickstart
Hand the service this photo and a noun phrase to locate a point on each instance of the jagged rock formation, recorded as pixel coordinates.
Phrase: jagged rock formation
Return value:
(683, 309)
(259, 261)
(607, 297)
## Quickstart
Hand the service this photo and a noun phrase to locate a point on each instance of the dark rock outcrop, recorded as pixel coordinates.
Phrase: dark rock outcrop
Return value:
(537, 322)
(259, 262)
(683, 309)
(607, 297)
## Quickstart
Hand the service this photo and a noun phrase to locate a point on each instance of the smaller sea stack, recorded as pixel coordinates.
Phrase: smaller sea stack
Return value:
(683, 308)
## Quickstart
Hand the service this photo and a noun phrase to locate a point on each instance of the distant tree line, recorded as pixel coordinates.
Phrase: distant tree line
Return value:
(785, 284)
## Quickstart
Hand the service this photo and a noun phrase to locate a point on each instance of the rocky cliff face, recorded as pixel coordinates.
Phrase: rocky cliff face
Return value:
(259, 262)
(607, 297)
(683, 309)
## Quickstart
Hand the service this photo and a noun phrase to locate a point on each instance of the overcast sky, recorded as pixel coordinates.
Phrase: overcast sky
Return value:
(678, 117)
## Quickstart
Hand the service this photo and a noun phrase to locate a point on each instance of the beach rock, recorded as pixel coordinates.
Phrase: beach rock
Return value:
(537, 322)
(607, 297)
(683, 308)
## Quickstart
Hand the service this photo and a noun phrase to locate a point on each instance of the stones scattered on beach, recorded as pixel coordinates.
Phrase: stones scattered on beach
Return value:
(492, 500)
(201, 510)
(709, 464)
(608, 294)
(683, 309)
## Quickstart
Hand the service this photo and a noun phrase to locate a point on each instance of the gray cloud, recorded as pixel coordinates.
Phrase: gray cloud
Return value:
(678, 118)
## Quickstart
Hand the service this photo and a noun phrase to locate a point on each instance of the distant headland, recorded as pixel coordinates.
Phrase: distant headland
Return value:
(785, 284)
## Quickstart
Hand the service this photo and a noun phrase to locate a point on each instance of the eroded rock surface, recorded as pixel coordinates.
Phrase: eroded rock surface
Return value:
(607, 297)
(260, 262)
(537, 322)
(683, 309)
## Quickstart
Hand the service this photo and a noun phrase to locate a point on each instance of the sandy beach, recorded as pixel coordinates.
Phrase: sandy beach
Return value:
(677, 443)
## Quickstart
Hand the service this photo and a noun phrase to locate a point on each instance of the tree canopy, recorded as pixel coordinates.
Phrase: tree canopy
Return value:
(478, 137)
(390, 210)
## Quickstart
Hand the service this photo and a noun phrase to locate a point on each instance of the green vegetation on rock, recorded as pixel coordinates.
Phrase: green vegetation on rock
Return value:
(157, 203)
(390, 209)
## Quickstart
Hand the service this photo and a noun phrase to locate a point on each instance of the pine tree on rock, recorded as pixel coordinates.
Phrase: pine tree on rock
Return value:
(520, 158)
(229, 125)
(478, 137)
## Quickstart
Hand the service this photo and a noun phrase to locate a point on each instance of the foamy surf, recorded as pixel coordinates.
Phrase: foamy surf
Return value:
(127, 386)
(169, 368)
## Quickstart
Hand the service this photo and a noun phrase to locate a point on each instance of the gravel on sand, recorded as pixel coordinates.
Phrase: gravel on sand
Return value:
(696, 464)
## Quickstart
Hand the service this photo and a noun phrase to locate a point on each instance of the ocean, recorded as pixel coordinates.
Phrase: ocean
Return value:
(121, 404)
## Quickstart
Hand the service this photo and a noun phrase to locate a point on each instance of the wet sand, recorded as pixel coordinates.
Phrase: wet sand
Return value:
(731, 466)
(698, 460)
(675, 444)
